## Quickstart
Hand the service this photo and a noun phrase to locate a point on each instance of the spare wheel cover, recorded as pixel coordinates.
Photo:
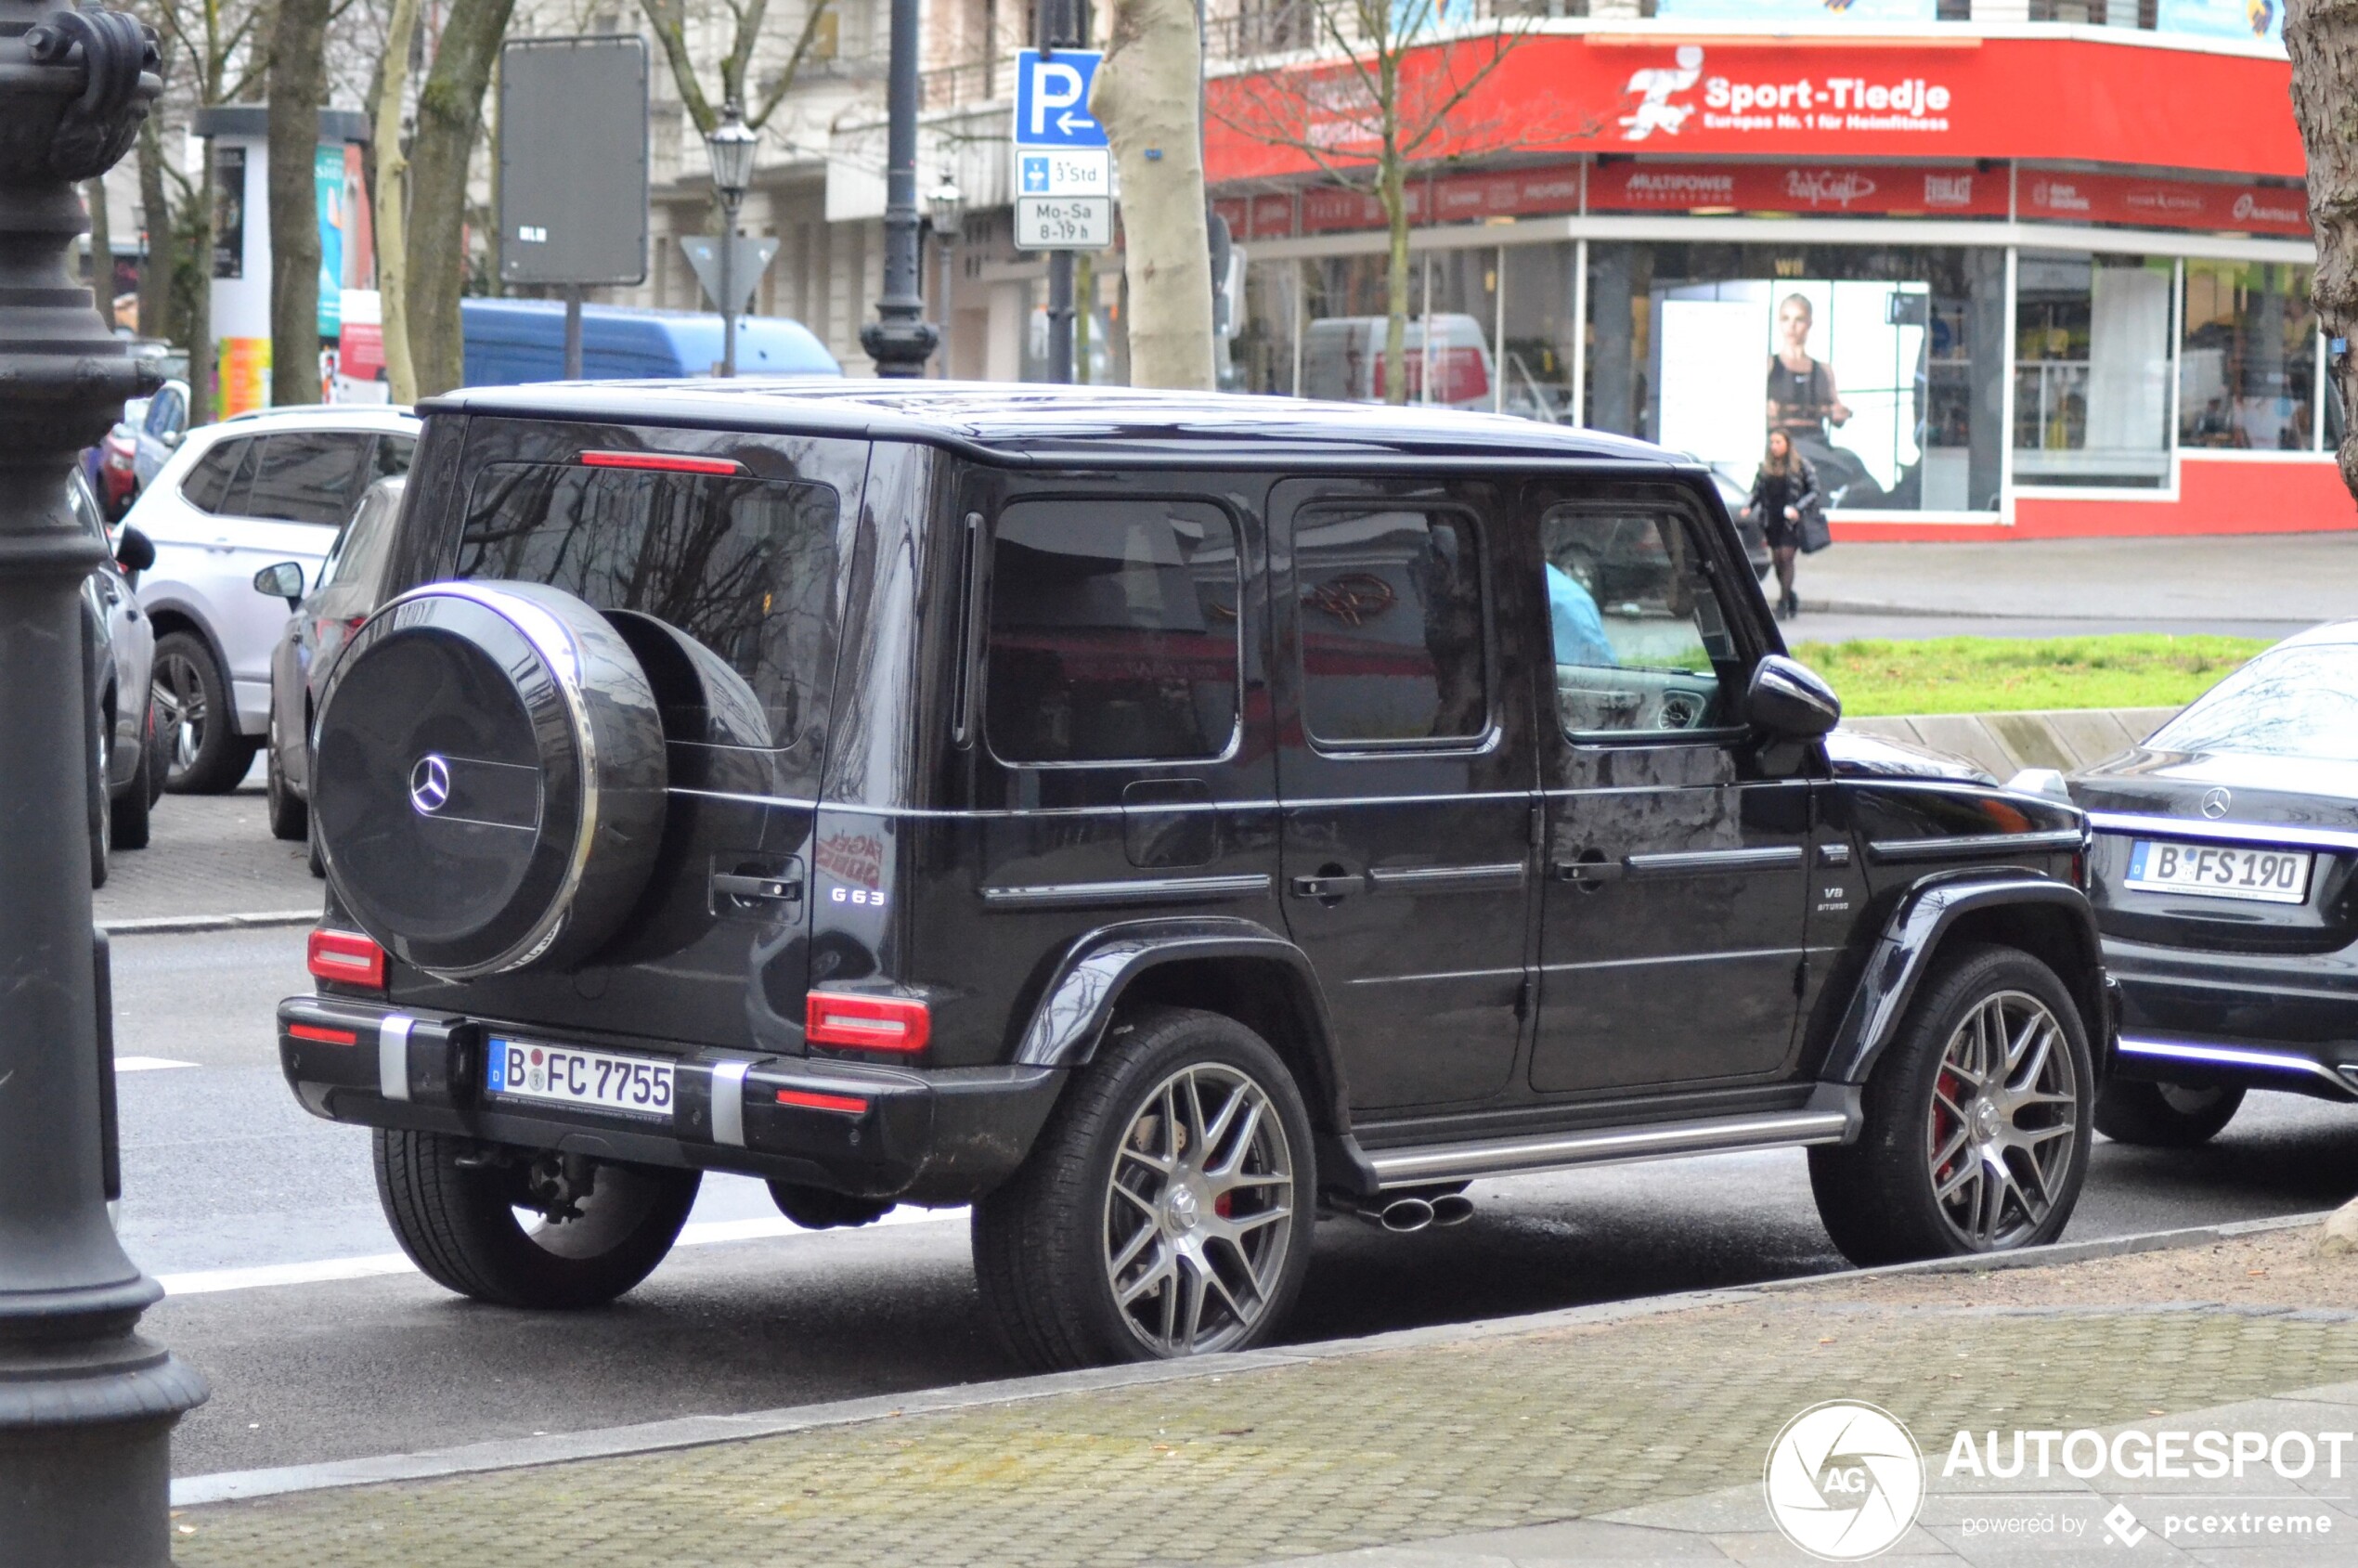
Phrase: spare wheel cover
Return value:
(488, 782)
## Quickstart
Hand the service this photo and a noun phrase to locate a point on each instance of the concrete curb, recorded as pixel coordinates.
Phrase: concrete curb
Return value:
(697, 1431)
(2007, 743)
(157, 925)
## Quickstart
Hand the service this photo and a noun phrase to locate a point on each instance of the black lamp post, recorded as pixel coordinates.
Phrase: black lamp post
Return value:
(900, 340)
(731, 145)
(86, 1408)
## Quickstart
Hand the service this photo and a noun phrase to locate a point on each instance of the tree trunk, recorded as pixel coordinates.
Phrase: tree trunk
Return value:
(163, 258)
(94, 196)
(1148, 95)
(202, 393)
(2322, 36)
(298, 85)
(450, 119)
(388, 191)
(1393, 191)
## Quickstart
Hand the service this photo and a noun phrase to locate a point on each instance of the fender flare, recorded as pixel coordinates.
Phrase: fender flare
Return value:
(1069, 1020)
(1911, 940)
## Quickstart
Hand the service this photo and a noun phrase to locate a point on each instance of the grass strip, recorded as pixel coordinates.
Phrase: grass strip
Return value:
(2011, 675)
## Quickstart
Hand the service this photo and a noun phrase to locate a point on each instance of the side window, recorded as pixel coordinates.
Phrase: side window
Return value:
(1641, 642)
(210, 482)
(390, 459)
(305, 476)
(1113, 632)
(163, 414)
(1392, 615)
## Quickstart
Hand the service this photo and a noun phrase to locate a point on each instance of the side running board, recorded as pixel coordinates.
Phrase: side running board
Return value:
(1424, 1164)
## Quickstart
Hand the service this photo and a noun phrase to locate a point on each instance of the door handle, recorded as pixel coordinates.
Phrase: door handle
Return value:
(1326, 887)
(1589, 870)
(757, 889)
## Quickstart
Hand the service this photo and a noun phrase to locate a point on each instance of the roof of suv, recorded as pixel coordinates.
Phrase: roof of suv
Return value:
(1060, 425)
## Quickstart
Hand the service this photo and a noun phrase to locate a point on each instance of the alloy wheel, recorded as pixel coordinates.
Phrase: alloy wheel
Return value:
(1194, 1228)
(179, 692)
(2004, 1121)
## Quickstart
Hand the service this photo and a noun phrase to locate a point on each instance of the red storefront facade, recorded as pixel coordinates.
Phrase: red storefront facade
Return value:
(2048, 281)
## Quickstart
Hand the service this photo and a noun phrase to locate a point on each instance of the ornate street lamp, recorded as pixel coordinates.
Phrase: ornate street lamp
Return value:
(946, 213)
(900, 340)
(732, 145)
(86, 1406)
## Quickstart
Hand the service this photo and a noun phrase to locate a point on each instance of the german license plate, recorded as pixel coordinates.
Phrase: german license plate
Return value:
(2220, 870)
(523, 1069)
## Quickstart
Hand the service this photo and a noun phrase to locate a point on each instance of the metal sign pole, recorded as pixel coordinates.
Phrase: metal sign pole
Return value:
(728, 288)
(1055, 29)
(573, 331)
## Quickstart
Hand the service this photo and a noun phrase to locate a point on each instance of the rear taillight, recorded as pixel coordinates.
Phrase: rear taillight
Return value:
(850, 1105)
(347, 958)
(324, 1036)
(867, 1023)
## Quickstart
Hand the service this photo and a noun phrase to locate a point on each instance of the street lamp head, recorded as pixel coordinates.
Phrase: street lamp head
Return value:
(732, 144)
(947, 207)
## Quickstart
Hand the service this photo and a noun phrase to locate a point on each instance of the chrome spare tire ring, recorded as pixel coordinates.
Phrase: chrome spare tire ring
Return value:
(1198, 1211)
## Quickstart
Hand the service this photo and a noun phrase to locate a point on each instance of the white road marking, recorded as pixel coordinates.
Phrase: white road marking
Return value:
(147, 1064)
(324, 1271)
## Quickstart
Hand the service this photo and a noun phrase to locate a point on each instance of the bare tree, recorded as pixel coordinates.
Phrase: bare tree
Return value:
(2322, 36)
(1392, 89)
(298, 89)
(669, 19)
(449, 125)
(1146, 94)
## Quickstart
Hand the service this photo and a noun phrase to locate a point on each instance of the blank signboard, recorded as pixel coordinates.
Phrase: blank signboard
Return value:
(573, 161)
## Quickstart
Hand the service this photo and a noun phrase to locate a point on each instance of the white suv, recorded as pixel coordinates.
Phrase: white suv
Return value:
(248, 493)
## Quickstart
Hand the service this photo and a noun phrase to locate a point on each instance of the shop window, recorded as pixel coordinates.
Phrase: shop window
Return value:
(1447, 362)
(1536, 348)
(1113, 632)
(1882, 364)
(1261, 356)
(1393, 642)
(2092, 369)
(2247, 369)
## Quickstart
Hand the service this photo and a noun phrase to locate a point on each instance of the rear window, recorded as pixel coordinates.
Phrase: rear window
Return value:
(1113, 632)
(2290, 702)
(744, 566)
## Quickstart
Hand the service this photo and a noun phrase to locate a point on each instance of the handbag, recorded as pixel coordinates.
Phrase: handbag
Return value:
(1816, 532)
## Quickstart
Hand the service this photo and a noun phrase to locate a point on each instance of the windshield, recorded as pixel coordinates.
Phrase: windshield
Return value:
(2299, 701)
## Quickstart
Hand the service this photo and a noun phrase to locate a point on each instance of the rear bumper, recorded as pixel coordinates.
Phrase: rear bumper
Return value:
(2263, 1021)
(890, 1133)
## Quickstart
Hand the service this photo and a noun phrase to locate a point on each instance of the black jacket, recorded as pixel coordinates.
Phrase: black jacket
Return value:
(1804, 499)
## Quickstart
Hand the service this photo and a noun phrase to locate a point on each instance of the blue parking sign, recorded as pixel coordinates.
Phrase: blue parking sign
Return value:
(1052, 101)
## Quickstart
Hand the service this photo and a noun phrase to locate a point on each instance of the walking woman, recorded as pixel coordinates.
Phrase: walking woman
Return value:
(1784, 493)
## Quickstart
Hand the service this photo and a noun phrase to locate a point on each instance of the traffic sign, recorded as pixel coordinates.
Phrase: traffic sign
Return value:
(1063, 223)
(751, 259)
(1052, 99)
(1084, 172)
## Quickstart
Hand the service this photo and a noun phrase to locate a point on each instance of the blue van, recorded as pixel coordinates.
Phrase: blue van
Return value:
(511, 341)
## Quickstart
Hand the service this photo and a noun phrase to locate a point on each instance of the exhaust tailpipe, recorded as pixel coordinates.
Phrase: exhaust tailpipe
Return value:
(1401, 1216)
(1452, 1209)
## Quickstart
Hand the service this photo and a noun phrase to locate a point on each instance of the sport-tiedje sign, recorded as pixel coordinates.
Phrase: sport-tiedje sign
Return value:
(1063, 168)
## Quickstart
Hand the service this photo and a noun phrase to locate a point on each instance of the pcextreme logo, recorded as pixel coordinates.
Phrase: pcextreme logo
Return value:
(1843, 1481)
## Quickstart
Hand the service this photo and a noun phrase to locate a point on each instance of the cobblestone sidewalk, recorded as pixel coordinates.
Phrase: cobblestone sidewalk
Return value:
(210, 855)
(1331, 1452)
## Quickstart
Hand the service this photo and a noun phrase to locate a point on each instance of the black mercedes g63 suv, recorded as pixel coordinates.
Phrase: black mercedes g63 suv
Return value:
(1153, 819)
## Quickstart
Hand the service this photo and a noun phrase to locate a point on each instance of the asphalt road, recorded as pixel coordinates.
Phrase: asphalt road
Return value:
(223, 1173)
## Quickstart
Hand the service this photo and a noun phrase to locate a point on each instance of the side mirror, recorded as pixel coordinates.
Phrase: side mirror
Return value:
(134, 552)
(281, 581)
(173, 438)
(1790, 700)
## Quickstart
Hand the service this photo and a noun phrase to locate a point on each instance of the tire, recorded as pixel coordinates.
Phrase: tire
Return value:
(1918, 1184)
(153, 766)
(97, 793)
(208, 756)
(290, 814)
(2165, 1115)
(1047, 1244)
(456, 1217)
(127, 813)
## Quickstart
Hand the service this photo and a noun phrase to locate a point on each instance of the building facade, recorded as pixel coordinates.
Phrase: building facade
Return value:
(1994, 276)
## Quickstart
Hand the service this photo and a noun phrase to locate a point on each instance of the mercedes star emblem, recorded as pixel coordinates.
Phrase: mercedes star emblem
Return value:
(2215, 804)
(429, 784)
